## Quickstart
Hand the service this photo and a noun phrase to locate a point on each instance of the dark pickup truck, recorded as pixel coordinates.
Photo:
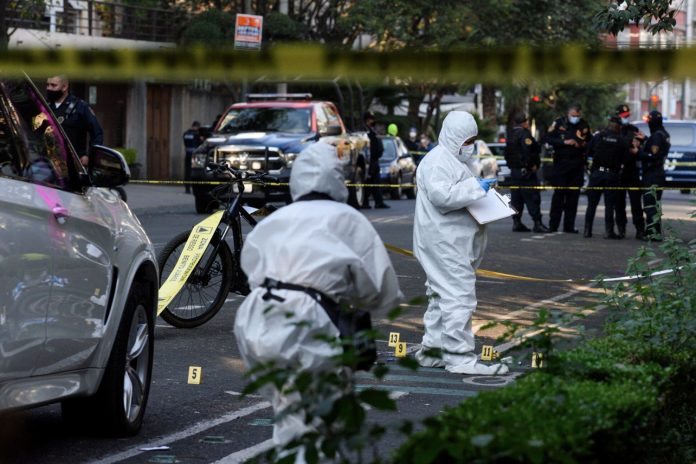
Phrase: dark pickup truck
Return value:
(267, 135)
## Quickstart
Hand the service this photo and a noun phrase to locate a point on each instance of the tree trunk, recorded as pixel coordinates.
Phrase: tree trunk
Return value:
(4, 35)
(488, 101)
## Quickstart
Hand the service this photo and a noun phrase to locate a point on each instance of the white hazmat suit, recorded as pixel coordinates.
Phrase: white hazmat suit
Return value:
(449, 244)
(322, 244)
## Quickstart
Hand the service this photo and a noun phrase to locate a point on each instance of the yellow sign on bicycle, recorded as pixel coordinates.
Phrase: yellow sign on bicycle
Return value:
(197, 242)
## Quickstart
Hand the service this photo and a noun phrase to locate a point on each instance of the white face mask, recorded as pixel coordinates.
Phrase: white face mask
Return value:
(465, 152)
(574, 119)
(625, 120)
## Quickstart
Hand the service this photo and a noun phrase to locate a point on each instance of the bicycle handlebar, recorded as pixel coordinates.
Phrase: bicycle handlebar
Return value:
(239, 175)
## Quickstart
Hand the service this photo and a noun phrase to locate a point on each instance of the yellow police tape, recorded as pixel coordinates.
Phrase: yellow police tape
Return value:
(573, 63)
(407, 186)
(192, 253)
(502, 275)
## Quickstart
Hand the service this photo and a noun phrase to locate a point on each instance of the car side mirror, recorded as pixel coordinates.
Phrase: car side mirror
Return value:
(332, 130)
(107, 167)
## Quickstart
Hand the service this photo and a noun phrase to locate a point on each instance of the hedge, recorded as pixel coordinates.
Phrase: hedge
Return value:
(629, 396)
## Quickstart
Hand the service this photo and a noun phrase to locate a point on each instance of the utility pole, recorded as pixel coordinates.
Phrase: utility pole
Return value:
(283, 9)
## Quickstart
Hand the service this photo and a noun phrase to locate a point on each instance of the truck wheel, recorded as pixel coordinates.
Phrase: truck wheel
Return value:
(356, 195)
(396, 192)
(205, 204)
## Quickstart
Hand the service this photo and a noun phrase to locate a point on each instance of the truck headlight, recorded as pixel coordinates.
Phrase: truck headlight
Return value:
(288, 158)
(198, 160)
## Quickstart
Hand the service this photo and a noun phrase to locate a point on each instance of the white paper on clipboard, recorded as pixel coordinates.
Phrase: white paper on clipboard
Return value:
(492, 207)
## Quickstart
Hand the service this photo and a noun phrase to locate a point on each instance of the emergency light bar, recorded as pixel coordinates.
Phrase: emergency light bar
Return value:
(279, 96)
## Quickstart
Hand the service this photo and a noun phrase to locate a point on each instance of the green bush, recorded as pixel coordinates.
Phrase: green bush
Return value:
(624, 397)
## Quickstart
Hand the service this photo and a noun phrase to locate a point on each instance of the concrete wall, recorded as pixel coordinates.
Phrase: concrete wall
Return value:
(34, 38)
(136, 123)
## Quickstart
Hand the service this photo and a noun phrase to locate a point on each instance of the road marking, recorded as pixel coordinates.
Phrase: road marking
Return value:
(188, 432)
(247, 453)
(419, 390)
(555, 299)
(412, 378)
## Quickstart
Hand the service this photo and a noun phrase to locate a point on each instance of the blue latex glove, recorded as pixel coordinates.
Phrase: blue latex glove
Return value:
(486, 183)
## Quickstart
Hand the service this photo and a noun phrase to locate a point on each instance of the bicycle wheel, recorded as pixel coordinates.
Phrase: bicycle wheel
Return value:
(202, 296)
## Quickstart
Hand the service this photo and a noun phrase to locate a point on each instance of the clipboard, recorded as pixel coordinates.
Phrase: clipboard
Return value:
(492, 207)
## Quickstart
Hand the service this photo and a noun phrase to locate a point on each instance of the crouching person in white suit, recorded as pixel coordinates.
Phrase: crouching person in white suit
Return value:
(326, 251)
(449, 244)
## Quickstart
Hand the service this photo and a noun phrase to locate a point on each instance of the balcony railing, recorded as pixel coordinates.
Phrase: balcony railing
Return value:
(101, 19)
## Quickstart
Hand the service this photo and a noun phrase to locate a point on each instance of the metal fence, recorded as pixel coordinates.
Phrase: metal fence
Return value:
(99, 19)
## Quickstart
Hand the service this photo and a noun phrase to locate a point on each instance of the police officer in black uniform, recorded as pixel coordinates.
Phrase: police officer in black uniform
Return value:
(376, 150)
(569, 136)
(630, 178)
(192, 140)
(652, 158)
(522, 157)
(609, 151)
(75, 115)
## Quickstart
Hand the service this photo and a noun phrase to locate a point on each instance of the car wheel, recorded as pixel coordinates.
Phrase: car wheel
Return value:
(205, 204)
(356, 195)
(256, 203)
(118, 407)
(396, 192)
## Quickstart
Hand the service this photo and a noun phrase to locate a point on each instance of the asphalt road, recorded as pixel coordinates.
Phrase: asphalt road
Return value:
(211, 422)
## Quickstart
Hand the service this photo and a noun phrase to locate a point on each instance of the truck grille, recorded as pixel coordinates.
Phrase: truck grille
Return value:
(252, 159)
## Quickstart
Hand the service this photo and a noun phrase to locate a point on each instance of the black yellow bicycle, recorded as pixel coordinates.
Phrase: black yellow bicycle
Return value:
(198, 269)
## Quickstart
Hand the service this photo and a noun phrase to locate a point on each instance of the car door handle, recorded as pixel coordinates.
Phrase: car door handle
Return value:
(60, 213)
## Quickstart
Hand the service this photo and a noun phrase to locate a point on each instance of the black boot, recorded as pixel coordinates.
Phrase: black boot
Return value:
(610, 234)
(640, 235)
(622, 231)
(588, 231)
(517, 226)
(540, 228)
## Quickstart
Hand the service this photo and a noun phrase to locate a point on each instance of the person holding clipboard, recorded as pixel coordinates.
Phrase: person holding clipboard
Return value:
(449, 243)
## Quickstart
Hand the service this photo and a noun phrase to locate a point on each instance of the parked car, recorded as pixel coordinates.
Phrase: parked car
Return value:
(267, 135)
(78, 275)
(484, 161)
(498, 151)
(680, 165)
(396, 167)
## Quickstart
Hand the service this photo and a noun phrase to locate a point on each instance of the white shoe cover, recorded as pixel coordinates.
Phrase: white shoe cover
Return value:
(428, 361)
(478, 369)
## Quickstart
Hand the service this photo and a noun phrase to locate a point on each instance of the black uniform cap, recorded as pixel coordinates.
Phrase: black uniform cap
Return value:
(519, 117)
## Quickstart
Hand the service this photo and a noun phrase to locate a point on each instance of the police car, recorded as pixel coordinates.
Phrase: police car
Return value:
(680, 164)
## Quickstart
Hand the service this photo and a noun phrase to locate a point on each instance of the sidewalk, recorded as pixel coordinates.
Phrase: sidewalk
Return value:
(143, 198)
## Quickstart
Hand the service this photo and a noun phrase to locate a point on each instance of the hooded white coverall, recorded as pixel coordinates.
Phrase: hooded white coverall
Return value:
(449, 244)
(323, 244)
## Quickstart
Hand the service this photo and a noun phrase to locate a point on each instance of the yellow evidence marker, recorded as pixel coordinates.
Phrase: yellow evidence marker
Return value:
(194, 375)
(537, 360)
(487, 353)
(400, 350)
(393, 339)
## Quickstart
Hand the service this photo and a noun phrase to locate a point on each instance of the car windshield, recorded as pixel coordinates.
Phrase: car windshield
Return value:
(292, 120)
(389, 150)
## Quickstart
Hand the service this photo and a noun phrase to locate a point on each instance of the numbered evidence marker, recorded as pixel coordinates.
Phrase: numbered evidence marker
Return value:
(195, 374)
(400, 350)
(537, 360)
(393, 339)
(487, 353)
